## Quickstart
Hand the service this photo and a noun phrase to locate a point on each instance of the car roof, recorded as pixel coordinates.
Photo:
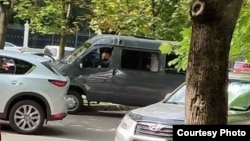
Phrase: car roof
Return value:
(23, 56)
(130, 41)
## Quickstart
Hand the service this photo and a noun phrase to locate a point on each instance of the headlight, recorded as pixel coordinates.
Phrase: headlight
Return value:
(127, 122)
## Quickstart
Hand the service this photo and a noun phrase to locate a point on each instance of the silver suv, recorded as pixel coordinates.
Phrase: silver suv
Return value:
(155, 122)
(32, 91)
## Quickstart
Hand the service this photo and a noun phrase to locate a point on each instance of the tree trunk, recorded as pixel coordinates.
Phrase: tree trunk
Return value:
(3, 23)
(213, 23)
(62, 44)
(65, 20)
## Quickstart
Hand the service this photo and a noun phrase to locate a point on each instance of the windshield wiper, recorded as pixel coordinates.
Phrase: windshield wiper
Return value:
(171, 102)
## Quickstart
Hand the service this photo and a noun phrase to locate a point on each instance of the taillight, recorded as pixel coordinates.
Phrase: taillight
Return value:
(58, 83)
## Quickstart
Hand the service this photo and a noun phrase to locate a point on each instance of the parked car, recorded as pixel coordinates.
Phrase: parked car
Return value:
(155, 122)
(12, 47)
(32, 91)
(241, 67)
(137, 73)
(53, 51)
(52, 59)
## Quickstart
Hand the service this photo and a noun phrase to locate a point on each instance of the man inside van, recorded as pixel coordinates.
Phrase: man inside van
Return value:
(105, 58)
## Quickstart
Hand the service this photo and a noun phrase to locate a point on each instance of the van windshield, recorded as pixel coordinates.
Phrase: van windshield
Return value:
(76, 53)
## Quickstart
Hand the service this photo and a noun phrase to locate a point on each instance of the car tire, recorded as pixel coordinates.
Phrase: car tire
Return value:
(75, 102)
(27, 121)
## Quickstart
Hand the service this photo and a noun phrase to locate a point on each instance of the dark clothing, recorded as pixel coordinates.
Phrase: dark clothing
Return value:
(105, 63)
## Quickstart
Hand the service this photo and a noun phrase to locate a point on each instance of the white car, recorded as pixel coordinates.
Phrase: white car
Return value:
(32, 91)
(54, 51)
(155, 122)
(12, 47)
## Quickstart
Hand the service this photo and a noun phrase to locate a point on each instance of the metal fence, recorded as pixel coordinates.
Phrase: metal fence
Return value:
(15, 35)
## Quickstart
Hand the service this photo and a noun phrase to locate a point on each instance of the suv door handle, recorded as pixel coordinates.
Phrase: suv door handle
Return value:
(15, 82)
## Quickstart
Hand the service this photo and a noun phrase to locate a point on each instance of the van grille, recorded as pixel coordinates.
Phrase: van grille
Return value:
(154, 130)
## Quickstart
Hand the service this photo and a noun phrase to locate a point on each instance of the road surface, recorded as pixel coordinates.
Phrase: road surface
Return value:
(89, 126)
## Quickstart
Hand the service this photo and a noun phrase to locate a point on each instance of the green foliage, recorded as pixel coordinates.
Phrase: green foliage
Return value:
(182, 51)
(240, 47)
(165, 48)
(51, 16)
(154, 18)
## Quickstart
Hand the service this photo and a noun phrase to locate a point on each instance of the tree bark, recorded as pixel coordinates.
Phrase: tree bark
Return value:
(65, 20)
(62, 44)
(3, 23)
(5, 12)
(213, 23)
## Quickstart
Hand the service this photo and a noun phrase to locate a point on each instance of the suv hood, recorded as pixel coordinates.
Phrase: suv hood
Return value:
(160, 112)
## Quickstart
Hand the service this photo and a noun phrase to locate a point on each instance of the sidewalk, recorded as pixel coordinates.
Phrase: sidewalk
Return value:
(19, 137)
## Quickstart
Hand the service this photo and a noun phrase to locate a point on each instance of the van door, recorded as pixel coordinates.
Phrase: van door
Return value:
(141, 79)
(138, 81)
(96, 74)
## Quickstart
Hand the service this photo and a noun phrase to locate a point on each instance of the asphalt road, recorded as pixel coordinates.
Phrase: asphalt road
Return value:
(90, 126)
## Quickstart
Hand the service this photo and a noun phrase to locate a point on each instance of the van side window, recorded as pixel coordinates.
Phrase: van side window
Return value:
(139, 60)
(99, 58)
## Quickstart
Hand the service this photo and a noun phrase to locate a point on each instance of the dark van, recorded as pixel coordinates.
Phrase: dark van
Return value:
(136, 74)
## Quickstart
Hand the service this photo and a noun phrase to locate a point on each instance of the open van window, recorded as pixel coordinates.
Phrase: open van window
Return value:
(98, 58)
(139, 60)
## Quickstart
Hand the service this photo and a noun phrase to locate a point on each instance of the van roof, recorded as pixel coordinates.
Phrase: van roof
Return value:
(130, 41)
(55, 46)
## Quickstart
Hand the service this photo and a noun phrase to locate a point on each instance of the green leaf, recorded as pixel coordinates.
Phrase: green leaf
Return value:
(165, 48)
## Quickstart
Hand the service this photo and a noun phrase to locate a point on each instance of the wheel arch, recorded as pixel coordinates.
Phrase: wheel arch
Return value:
(27, 96)
(78, 88)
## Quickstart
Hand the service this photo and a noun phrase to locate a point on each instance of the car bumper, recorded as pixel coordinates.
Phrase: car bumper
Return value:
(125, 135)
(58, 116)
(60, 110)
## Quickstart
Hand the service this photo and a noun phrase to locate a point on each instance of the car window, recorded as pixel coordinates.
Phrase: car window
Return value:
(76, 53)
(239, 95)
(7, 65)
(238, 64)
(140, 60)
(14, 66)
(23, 67)
(178, 96)
(98, 58)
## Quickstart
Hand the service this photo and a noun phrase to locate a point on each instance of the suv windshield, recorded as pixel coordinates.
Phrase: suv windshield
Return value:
(76, 53)
(238, 95)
